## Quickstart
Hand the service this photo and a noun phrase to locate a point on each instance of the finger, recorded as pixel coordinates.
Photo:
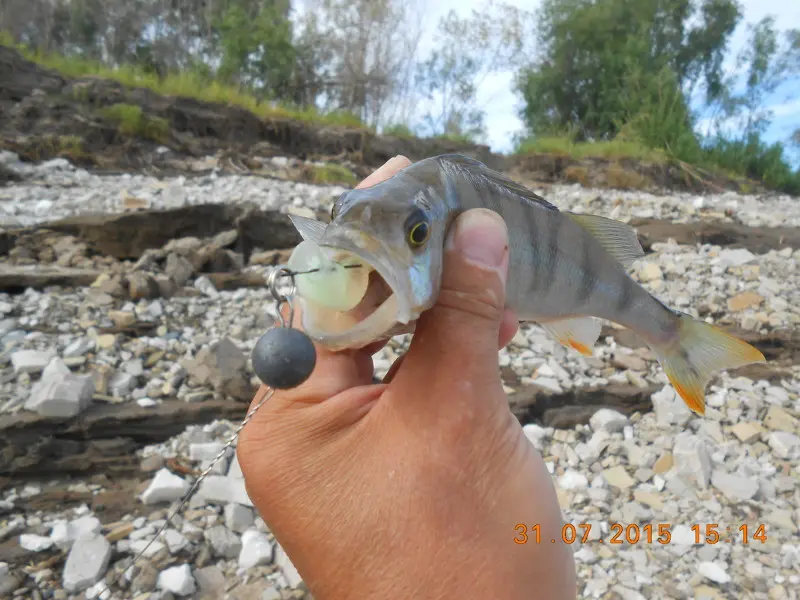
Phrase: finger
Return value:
(508, 328)
(460, 334)
(389, 168)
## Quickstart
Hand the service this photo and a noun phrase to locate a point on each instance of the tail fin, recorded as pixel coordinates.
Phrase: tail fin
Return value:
(700, 352)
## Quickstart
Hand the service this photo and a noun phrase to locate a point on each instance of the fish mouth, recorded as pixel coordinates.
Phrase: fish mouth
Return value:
(382, 312)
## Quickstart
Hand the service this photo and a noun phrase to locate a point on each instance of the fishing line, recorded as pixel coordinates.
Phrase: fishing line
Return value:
(283, 358)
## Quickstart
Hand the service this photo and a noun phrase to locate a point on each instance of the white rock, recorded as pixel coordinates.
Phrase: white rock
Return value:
(86, 563)
(175, 541)
(61, 396)
(177, 580)
(784, 444)
(205, 451)
(734, 486)
(713, 571)
(165, 487)
(287, 567)
(215, 489)
(79, 347)
(238, 518)
(608, 420)
(31, 361)
(691, 458)
(35, 543)
(257, 549)
(548, 384)
(669, 408)
(573, 480)
(224, 542)
(736, 257)
(536, 434)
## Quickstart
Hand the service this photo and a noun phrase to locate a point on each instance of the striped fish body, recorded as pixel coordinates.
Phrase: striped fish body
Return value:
(557, 269)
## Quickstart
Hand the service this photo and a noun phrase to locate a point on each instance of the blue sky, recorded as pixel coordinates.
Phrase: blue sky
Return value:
(496, 93)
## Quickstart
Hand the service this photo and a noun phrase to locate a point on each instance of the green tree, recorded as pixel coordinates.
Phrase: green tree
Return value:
(588, 51)
(255, 42)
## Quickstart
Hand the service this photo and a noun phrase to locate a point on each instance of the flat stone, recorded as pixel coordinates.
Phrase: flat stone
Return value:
(35, 543)
(31, 361)
(608, 420)
(784, 444)
(664, 463)
(735, 257)
(781, 518)
(747, 431)
(618, 477)
(629, 361)
(744, 301)
(734, 487)
(651, 499)
(691, 458)
(165, 487)
(779, 419)
(713, 571)
(120, 533)
(86, 563)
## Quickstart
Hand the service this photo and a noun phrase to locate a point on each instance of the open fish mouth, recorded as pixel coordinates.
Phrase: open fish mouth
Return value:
(371, 307)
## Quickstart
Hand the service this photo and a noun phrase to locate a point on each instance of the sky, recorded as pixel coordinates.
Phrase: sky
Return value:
(497, 96)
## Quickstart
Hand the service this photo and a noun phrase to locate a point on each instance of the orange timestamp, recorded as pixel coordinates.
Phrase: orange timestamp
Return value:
(634, 534)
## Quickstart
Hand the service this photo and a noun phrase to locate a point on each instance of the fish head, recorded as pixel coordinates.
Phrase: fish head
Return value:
(397, 230)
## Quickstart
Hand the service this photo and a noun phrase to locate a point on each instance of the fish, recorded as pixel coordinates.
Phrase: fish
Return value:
(567, 271)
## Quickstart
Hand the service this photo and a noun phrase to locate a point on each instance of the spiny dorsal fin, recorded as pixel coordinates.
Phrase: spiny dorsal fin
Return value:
(617, 238)
(481, 173)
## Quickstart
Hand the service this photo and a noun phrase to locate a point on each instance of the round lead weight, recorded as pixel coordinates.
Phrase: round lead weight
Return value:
(284, 358)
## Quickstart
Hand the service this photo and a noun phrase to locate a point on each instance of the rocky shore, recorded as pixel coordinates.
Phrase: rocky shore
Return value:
(129, 305)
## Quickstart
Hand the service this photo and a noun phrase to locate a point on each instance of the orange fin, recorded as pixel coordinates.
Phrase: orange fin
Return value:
(578, 333)
(702, 350)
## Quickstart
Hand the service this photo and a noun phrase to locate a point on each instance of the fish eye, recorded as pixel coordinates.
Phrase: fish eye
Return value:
(418, 228)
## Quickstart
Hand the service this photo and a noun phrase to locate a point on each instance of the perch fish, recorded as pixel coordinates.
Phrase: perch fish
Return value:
(377, 266)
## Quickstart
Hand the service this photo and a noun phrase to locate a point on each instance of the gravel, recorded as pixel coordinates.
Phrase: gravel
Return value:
(695, 477)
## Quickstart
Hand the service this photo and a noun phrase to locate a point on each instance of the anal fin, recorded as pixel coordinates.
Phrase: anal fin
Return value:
(578, 333)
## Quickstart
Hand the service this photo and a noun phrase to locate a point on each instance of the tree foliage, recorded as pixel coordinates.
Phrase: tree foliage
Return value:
(649, 69)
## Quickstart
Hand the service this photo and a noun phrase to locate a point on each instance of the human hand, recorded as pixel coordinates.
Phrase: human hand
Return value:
(412, 488)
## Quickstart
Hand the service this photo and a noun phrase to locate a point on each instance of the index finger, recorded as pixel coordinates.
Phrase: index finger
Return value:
(338, 371)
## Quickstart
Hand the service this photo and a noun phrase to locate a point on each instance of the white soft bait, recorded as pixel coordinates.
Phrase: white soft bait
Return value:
(329, 284)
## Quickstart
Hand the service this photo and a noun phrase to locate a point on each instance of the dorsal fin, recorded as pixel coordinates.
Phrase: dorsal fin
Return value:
(617, 238)
(479, 172)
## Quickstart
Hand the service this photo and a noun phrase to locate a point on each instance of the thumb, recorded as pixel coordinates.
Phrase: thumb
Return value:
(461, 331)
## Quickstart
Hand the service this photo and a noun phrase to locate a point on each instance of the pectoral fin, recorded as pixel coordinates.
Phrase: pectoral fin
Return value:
(579, 333)
(617, 238)
(309, 229)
